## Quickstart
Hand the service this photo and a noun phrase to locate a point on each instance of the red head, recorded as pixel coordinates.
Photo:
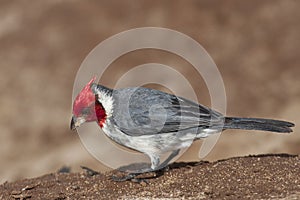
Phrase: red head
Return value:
(85, 99)
(84, 106)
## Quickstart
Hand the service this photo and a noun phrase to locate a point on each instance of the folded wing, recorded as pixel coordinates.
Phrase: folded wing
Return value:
(142, 111)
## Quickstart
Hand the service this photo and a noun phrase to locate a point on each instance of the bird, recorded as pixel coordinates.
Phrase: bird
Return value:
(154, 122)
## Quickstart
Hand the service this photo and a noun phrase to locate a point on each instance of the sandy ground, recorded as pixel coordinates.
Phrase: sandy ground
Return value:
(255, 45)
(259, 177)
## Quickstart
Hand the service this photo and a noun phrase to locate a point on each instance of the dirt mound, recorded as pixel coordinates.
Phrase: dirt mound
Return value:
(255, 45)
(252, 177)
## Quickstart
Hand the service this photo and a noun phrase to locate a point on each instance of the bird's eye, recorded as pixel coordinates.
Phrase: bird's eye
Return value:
(86, 111)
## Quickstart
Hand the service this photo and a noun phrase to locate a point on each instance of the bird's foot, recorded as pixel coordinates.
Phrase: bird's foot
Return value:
(124, 178)
(140, 177)
(130, 177)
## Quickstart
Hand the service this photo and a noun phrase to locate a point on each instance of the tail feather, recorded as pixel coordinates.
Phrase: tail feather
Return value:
(258, 124)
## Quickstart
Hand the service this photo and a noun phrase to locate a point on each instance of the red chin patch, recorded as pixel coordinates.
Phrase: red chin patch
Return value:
(100, 113)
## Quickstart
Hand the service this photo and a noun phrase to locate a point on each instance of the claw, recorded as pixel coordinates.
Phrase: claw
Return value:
(131, 177)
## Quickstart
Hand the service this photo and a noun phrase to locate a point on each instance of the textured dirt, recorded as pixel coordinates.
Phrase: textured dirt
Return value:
(253, 177)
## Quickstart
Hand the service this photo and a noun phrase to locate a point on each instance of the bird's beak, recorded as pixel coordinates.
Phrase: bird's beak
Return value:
(76, 122)
(72, 124)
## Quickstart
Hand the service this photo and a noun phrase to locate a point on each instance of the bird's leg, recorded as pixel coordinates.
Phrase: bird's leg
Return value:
(163, 167)
(154, 168)
(171, 156)
(132, 176)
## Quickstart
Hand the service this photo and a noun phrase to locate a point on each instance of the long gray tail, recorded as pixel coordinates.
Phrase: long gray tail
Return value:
(258, 124)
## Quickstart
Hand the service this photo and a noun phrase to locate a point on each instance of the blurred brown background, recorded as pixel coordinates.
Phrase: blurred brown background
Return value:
(255, 44)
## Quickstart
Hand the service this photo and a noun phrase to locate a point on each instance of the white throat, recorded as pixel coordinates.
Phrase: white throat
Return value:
(106, 100)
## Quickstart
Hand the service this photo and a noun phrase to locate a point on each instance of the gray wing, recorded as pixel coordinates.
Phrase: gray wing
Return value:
(142, 111)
